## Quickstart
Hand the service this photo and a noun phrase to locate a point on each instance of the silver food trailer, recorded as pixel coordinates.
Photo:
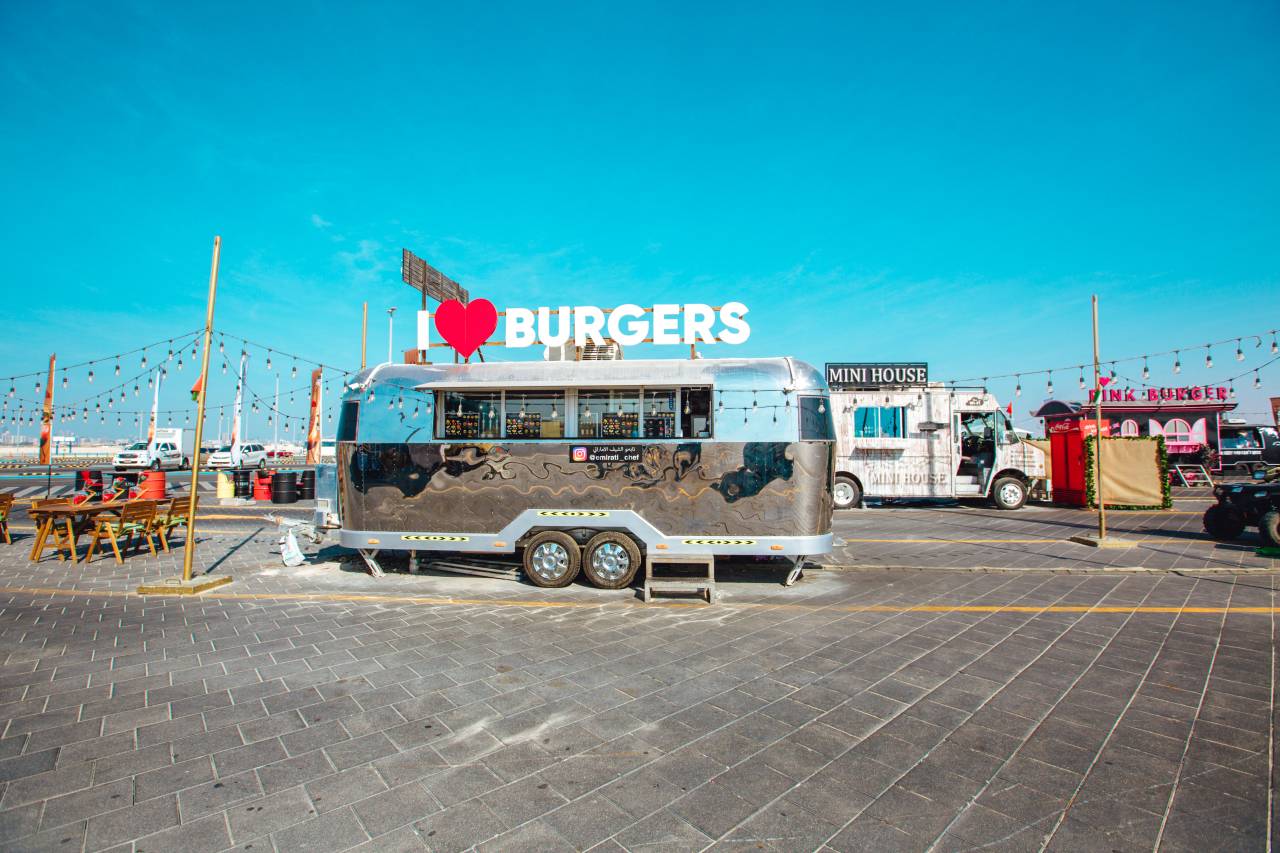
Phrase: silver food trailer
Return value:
(900, 436)
(584, 465)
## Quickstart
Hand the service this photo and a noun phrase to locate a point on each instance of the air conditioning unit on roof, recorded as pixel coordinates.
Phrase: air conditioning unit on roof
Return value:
(610, 350)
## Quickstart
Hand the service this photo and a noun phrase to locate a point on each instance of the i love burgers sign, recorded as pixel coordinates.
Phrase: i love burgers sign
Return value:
(467, 326)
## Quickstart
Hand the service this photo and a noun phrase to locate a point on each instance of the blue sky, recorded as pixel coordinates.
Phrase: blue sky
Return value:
(945, 182)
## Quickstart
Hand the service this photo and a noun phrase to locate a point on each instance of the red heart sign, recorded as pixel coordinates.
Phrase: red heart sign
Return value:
(1104, 381)
(466, 327)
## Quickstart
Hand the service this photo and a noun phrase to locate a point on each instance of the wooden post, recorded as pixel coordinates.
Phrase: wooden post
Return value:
(189, 550)
(46, 417)
(1097, 419)
(364, 335)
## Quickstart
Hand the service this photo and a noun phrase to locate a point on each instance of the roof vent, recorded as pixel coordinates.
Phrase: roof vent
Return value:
(564, 352)
(610, 350)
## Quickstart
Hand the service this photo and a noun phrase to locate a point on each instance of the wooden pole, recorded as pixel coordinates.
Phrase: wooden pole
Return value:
(46, 417)
(1097, 419)
(364, 335)
(188, 552)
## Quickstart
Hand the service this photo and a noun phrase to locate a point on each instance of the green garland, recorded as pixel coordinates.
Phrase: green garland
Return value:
(1162, 466)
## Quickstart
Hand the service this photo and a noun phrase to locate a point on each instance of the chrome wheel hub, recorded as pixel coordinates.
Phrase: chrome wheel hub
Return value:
(550, 561)
(1010, 494)
(610, 561)
(843, 494)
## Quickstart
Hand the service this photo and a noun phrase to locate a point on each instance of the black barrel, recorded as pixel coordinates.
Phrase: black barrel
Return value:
(307, 485)
(284, 487)
(242, 480)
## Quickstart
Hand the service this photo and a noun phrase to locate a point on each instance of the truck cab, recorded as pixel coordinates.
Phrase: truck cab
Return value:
(1244, 448)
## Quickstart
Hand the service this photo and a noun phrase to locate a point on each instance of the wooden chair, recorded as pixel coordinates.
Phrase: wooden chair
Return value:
(44, 526)
(6, 506)
(136, 520)
(174, 516)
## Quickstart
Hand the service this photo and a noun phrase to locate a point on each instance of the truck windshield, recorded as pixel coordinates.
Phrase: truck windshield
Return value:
(137, 445)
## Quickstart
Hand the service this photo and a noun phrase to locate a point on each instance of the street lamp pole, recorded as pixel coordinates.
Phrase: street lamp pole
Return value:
(391, 328)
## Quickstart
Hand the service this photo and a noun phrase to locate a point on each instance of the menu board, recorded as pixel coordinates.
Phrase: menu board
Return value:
(465, 425)
(524, 426)
(660, 425)
(624, 425)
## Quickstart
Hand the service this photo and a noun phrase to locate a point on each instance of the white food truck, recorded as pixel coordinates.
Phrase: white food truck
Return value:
(900, 436)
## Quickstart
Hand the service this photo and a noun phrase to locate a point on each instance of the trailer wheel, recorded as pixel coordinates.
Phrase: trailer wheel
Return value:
(846, 492)
(610, 560)
(1269, 529)
(1223, 523)
(551, 559)
(1009, 493)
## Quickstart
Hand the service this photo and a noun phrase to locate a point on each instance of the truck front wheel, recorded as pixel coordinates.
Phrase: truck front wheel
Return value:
(846, 492)
(1009, 493)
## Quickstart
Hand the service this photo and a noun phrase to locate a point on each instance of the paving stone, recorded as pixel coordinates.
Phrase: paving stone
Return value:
(395, 808)
(124, 825)
(340, 789)
(260, 817)
(294, 771)
(85, 804)
(207, 834)
(459, 827)
(208, 797)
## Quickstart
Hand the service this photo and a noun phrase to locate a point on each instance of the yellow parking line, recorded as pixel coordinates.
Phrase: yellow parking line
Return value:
(352, 598)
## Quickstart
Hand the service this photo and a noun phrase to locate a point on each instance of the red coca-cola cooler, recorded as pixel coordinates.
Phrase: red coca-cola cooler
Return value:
(1066, 450)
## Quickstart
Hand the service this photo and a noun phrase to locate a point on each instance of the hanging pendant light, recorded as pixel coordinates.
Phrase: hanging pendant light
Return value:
(1239, 351)
(144, 359)
(1257, 380)
(170, 356)
(1048, 386)
(1017, 391)
(91, 376)
(1177, 362)
(293, 374)
(1208, 356)
(268, 359)
(1146, 371)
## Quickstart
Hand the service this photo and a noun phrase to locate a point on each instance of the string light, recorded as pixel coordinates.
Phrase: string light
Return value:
(1017, 392)
(1082, 377)
(1208, 357)
(1257, 380)
(1146, 371)
(1177, 362)
(1048, 385)
(1239, 351)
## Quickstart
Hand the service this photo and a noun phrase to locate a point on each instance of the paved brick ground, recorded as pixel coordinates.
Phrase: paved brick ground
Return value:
(318, 708)
(828, 716)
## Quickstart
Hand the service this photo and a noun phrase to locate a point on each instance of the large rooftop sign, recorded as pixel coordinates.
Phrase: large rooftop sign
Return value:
(466, 327)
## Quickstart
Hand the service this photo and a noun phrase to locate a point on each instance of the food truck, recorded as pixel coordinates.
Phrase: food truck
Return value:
(900, 436)
(584, 466)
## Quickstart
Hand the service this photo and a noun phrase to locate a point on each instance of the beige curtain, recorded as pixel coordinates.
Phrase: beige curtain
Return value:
(1131, 473)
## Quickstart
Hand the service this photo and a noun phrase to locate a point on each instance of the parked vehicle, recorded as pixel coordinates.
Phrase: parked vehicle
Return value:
(169, 450)
(1242, 505)
(251, 456)
(1242, 446)
(279, 455)
(584, 465)
(931, 441)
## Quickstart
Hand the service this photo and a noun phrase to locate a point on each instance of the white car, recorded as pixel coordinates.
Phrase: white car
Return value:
(251, 456)
(166, 455)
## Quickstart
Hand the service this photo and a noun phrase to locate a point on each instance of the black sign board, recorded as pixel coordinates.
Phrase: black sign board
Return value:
(420, 275)
(841, 375)
(606, 453)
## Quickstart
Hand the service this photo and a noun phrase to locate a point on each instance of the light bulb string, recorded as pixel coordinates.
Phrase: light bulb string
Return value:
(108, 358)
(1113, 361)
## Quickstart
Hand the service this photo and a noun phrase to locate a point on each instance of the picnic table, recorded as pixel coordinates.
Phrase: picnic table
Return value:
(75, 519)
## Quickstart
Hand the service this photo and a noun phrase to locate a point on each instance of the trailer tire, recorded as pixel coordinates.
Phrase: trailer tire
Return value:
(1223, 523)
(1269, 529)
(551, 559)
(1009, 493)
(846, 493)
(610, 560)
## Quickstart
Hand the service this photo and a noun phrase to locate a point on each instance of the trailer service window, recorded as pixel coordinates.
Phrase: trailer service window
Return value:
(880, 422)
(616, 413)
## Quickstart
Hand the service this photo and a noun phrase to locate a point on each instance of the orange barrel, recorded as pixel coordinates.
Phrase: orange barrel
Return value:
(152, 486)
(262, 486)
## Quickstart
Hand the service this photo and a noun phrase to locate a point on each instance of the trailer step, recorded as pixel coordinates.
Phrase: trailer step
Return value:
(703, 583)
